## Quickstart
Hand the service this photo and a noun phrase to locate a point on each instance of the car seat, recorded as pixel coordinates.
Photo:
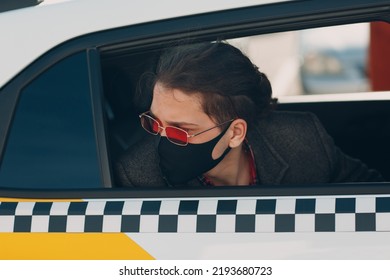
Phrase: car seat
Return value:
(122, 118)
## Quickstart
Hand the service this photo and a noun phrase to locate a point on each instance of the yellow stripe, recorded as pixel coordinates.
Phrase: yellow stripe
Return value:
(70, 246)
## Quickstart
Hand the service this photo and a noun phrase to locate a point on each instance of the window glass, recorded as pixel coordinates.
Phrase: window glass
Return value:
(52, 138)
(338, 59)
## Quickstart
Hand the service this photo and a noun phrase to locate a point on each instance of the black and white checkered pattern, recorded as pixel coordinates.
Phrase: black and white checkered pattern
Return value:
(283, 214)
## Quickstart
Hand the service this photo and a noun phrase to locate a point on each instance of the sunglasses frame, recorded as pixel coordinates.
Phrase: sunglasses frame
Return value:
(161, 128)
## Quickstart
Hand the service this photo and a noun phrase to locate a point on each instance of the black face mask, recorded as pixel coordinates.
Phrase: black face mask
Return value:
(179, 164)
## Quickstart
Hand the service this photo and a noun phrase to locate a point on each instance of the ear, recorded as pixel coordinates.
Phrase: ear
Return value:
(238, 129)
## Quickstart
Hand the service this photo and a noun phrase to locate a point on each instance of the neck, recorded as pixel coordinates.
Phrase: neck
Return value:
(233, 170)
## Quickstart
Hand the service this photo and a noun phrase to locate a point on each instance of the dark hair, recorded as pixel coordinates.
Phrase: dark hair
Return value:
(230, 84)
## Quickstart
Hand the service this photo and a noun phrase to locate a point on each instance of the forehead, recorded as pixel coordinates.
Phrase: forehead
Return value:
(170, 103)
(169, 98)
(163, 92)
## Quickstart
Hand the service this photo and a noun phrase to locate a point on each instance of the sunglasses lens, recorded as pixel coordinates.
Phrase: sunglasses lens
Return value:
(149, 124)
(176, 136)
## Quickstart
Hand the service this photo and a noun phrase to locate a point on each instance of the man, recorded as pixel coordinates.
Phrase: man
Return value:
(213, 110)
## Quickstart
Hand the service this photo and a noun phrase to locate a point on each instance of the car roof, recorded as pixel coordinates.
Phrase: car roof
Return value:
(29, 32)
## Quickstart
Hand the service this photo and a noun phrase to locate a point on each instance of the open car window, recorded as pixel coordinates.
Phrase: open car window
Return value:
(305, 67)
(335, 59)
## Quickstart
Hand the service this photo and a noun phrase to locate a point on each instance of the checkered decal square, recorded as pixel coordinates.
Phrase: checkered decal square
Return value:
(207, 215)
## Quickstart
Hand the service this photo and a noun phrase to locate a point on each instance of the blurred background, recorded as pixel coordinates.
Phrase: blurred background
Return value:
(339, 59)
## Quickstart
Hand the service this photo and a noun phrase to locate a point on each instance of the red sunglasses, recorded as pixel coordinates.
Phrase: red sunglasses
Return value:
(174, 134)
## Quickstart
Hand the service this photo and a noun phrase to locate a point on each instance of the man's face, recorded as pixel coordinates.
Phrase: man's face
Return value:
(175, 108)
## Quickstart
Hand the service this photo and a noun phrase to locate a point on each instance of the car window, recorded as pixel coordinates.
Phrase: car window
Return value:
(52, 139)
(336, 59)
(342, 66)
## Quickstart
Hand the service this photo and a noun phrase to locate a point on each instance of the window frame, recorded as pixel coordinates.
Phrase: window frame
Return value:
(96, 86)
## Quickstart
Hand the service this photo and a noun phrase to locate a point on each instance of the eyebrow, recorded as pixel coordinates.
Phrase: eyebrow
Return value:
(174, 123)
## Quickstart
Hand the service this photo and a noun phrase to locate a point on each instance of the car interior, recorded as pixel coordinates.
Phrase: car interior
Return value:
(361, 128)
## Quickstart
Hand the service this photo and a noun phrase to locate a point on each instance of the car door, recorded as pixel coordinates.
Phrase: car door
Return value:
(60, 131)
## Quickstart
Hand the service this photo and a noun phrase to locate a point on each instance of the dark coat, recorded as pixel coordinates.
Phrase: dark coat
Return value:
(289, 148)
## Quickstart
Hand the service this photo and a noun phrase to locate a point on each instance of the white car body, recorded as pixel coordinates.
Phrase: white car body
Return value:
(51, 23)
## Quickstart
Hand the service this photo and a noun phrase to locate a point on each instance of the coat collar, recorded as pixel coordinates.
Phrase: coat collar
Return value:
(271, 167)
